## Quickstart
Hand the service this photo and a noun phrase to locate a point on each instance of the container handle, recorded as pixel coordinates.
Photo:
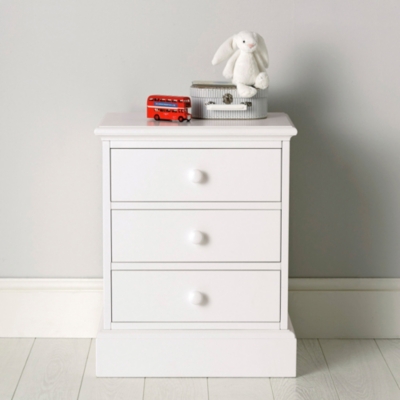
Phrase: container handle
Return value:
(228, 107)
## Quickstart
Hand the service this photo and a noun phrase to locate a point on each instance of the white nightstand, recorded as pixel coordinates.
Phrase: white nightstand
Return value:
(196, 248)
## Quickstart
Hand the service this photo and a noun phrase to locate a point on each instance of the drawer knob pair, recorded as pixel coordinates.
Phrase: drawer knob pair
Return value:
(196, 176)
(196, 298)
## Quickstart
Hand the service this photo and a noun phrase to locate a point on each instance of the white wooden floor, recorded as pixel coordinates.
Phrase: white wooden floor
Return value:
(63, 369)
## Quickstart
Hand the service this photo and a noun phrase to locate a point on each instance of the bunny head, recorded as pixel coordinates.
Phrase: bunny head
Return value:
(245, 41)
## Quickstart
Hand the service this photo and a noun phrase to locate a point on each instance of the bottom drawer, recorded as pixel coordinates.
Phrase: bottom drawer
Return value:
(195, 296)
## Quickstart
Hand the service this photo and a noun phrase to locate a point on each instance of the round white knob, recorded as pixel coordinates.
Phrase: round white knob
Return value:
(196, 237)
(196, 176)
(196, 298)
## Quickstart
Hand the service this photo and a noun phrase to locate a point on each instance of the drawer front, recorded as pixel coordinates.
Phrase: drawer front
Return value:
(195, 174)
(196, 235)
(195, 296)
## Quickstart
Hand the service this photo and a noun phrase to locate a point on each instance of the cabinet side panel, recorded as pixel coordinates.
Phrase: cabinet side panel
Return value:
(285, 234)
(106, 237)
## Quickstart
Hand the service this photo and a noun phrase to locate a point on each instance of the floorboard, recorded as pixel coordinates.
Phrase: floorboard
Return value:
(175, 389)
(239, 389)
(64, 369)
(108, 388)
(54, 370)
(390, 349)
(313, 380)
(13, 356)
(359, 371)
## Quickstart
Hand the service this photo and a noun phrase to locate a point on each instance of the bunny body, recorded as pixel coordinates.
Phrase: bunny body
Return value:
(248, 59)
(246, 69)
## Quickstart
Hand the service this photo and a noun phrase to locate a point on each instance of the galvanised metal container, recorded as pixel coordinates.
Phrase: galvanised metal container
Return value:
(220, 100)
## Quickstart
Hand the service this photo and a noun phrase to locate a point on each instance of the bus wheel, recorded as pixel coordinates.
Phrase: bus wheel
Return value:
(180, 119)
(157, 117)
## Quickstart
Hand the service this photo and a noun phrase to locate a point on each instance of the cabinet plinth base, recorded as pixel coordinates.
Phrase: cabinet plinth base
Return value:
(196, 353)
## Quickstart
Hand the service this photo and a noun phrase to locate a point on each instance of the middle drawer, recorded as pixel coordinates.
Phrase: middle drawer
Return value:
(196, 235)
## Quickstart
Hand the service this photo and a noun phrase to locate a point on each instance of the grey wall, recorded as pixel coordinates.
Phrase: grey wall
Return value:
(334, 68)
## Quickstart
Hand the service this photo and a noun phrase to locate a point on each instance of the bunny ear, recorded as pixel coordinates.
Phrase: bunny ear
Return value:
(262, 50)
(225, 50)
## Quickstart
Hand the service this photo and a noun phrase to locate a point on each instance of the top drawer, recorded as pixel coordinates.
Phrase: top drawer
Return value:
(195, 174)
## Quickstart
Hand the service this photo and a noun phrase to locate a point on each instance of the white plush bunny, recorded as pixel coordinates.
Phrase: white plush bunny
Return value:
(247, 63)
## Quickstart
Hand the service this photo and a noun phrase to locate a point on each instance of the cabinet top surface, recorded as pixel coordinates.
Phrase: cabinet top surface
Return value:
(125, 125)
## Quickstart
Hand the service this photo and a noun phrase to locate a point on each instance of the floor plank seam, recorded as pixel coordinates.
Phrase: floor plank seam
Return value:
(272, 388)
(329, 370)
(23, 369)
(208, 390)
(144, 387)
(84, 369)
(391, 372)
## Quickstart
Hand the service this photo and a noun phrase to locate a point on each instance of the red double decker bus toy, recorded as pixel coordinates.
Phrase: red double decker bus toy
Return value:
(172, 108)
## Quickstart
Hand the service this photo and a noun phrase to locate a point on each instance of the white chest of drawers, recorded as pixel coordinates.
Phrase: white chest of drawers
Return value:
(195, 220)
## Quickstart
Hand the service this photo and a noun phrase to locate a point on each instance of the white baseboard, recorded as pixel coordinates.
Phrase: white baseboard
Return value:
(50, 307)
(319, 308)
(345, 308)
